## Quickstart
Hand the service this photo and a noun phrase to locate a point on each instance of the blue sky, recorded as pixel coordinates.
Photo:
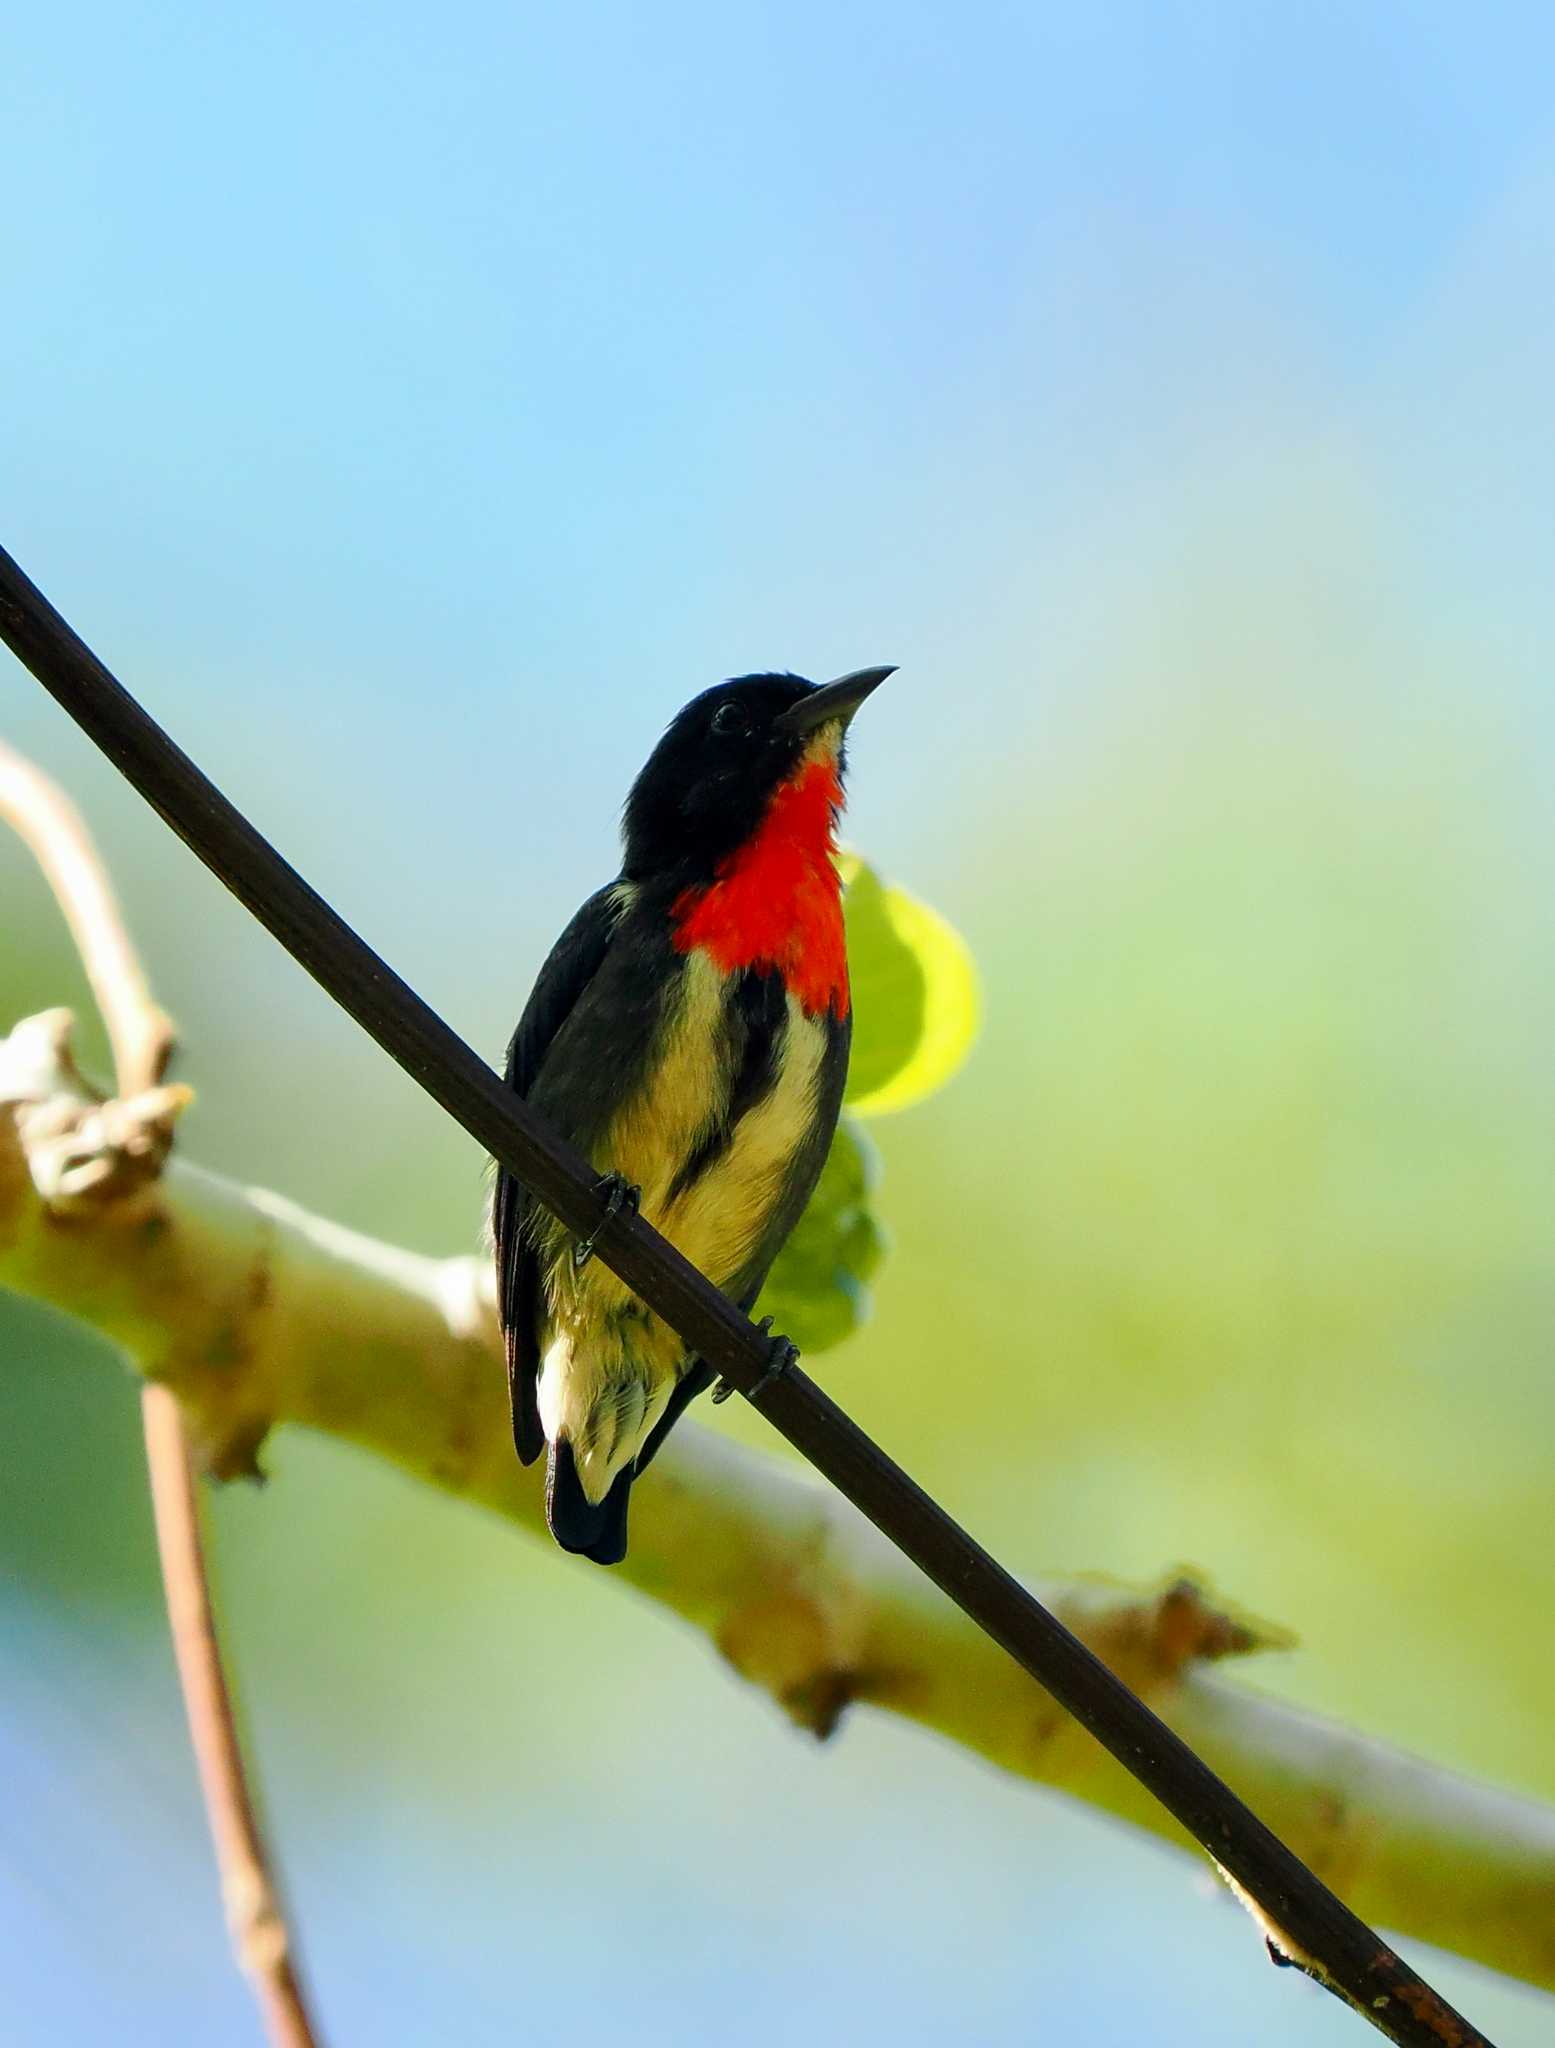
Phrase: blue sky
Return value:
(558, 361)
(624, 347)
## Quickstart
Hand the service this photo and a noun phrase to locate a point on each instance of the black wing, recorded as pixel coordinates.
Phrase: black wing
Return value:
(574, 961)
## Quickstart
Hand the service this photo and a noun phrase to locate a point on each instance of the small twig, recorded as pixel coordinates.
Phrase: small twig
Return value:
(140, 1033)
(255, 1918)
(1311, 1923)
(142, 1037)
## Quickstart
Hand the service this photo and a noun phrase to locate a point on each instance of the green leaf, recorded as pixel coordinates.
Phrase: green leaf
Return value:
(914, 1016)
(816, 1292)
(915, 996)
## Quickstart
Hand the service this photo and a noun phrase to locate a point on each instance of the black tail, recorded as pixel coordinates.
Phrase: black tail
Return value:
(576, 1522)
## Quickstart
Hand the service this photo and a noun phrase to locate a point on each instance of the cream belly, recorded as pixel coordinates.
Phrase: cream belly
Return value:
(609, 1365)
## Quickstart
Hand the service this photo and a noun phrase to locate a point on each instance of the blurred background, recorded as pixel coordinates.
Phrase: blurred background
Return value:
(414, 408)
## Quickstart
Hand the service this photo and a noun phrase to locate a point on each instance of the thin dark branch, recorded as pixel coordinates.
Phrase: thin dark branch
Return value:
(142, 1038)
(1307, 1921)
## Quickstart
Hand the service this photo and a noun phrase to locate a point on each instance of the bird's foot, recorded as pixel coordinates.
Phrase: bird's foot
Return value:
(619, 1195)
(782, 1352)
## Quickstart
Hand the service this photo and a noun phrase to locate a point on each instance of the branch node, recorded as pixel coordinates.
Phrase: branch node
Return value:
(85, 1151)
(236, 1454)
(1190, 1626)
(818, 1704)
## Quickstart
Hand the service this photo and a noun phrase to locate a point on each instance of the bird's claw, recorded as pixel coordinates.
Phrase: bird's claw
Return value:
(782, 1352)
(619, 1194)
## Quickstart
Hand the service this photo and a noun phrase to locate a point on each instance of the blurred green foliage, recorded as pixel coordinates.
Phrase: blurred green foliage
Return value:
(1233, 1244)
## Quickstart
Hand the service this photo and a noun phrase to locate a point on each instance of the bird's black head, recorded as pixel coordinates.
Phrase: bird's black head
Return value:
(707, 783)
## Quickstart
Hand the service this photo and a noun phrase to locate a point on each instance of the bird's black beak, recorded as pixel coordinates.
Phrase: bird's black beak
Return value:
(832, 700)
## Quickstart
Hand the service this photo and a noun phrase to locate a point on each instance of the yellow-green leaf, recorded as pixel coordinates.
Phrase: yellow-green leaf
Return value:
(914, 1016)
(915, 997)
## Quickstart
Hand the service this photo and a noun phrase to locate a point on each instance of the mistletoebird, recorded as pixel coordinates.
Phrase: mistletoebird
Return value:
(689, 1034)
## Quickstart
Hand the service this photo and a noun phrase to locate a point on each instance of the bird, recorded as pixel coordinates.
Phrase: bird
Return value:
(689, 1034)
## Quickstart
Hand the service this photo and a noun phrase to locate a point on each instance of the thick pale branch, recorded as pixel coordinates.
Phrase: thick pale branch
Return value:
(256, 1312)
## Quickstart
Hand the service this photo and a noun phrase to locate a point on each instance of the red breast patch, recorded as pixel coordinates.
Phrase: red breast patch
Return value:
(776, 901)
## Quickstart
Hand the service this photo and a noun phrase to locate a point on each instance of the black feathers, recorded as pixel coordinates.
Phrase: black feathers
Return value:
(706, 782)
(587, 1530)
(574, 960)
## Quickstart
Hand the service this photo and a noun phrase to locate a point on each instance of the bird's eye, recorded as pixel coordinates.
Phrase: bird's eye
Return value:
(730, 718)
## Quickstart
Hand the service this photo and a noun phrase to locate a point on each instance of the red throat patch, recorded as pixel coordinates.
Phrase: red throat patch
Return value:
(776, 901)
